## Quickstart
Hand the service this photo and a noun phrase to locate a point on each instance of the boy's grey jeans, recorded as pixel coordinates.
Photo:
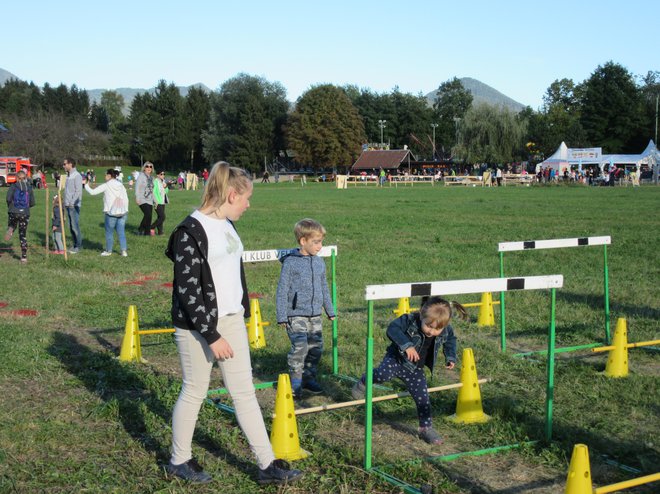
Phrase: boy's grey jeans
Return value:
(306, 337)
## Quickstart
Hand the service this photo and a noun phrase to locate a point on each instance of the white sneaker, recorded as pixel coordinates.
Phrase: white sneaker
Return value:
(105, 253)
(124, 253)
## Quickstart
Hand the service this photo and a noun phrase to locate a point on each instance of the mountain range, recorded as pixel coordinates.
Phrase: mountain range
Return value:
(482, 93)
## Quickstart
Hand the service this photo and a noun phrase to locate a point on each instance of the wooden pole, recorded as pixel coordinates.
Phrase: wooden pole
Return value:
(47, 220)
(335, 406)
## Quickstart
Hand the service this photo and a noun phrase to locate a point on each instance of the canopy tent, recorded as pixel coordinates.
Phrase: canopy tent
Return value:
(565, 157)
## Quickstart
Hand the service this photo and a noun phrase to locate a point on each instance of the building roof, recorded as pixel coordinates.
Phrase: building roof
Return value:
(387, 160)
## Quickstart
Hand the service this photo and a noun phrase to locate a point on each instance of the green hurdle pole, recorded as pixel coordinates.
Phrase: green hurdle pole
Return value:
(369, 380)
(502, 318)
(335, 350)
(550, 389)
(607, 296)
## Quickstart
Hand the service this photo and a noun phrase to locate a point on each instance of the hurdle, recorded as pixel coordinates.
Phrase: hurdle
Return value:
(558, 244)
(270, 255)
(382, 292)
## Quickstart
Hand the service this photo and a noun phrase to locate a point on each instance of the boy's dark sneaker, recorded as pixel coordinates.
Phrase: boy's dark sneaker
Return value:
(278, 472)
(190, 471)
(313, 387)
(358, 390)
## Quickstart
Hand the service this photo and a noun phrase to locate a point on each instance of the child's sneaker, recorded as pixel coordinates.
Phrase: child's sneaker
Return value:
(429, 435)
(124, 253)
(190, 471)
(358, 390)
(312, 386)
(23, 260)
(278, 472)
(10, 232)
(105, 253)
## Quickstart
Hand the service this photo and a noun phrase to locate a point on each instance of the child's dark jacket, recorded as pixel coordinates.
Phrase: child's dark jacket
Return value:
(194, 303)
(406, 332)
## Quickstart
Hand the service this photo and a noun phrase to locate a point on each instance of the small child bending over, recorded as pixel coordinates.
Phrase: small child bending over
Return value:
(416, 339)
(302, 293)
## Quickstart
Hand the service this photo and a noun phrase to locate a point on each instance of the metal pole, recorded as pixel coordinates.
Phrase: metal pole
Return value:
(551, 368)
(335, 350)
(369, 381)
(656, 119)
(607, 296)
(47, 218)
(502, 317)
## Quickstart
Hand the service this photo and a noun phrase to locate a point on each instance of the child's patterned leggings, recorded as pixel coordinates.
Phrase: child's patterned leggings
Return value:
(20, 221)
(415, 384)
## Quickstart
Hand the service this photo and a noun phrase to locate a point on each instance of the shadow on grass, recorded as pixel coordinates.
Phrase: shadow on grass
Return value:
(597, 303)
(133, 391)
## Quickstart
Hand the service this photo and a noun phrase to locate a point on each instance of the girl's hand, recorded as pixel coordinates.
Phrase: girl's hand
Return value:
(221, 349)
(412, 354)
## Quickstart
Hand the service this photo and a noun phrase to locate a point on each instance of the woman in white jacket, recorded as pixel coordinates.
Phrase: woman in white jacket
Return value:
(115, 207)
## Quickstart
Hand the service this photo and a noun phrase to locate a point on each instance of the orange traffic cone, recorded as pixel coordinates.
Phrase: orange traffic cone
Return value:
(284, 432)
(617, 359)
(256, 335)
(578, 480)
(403, 308)
(486, 316)
(468, 406)
(130, 345)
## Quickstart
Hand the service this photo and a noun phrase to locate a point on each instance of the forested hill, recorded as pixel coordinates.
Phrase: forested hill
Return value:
(483, 93)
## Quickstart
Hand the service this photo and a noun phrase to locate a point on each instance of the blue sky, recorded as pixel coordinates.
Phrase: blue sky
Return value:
(517, 47)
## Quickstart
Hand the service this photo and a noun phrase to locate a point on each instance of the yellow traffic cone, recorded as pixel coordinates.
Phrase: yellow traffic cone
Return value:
(130, 344)
(468, 405)
(578, 480)
(284, 433)
(617, 359)
(256, 335)
(486, 316)
(403, 308)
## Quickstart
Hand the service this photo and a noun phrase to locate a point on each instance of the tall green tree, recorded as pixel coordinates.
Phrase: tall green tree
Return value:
(245, 122)
(196, 111)
(451, 104)
(612, 109)
(650, 89)
(561, 117)
(325, 129)
(491, 134)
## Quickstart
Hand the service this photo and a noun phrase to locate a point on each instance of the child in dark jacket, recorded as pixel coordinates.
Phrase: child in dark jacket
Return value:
(416, 339)
(20, 198)
(302, 292)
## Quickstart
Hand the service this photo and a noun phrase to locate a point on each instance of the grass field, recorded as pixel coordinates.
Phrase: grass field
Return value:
(75, 419)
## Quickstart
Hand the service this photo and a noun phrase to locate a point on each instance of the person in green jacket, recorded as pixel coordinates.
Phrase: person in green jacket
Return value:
(160, 200)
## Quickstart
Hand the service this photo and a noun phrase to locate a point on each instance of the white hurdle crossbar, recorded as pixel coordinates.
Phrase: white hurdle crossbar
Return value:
(277, 254)
(456, 287)
(559, 243)
(553, 244)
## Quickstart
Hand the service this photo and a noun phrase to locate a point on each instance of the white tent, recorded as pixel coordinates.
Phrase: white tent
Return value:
(565, 157)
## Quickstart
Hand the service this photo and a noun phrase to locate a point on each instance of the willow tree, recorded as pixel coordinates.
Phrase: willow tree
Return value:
(490, 134)
(325, 129)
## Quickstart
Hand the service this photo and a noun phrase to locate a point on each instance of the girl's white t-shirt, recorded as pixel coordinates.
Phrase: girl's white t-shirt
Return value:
(224, 257)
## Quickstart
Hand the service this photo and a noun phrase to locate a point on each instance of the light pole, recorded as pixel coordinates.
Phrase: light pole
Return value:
(433, 126)
(456, 120)
(381, 124)
(656, 119)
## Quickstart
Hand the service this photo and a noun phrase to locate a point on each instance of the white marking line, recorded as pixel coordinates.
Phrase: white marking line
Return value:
(553, 244)
(381, 292)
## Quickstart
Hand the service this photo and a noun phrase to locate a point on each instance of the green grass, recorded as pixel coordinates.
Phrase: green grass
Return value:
(75, 419)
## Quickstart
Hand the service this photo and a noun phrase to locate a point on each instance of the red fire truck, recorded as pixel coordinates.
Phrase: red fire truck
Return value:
(10, 166)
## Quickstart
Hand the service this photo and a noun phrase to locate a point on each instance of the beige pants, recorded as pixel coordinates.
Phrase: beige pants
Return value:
(196, 363)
